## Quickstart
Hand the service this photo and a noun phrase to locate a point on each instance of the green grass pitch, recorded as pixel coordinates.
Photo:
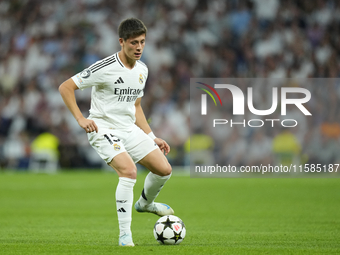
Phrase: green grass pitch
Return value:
(74, 213)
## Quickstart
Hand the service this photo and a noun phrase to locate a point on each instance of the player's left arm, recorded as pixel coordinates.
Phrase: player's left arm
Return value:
(143, 124)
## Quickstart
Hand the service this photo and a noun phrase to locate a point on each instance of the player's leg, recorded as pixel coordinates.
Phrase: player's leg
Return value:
(160, 172)
(127, 172)
(108, 144)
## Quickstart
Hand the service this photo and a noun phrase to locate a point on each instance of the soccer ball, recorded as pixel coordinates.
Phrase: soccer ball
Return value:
(169, 230)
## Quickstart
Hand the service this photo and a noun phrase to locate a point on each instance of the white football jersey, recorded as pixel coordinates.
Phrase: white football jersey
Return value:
(115, 90)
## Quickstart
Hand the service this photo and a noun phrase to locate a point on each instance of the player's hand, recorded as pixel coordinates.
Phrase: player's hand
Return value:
(88, 125)
(165, 148)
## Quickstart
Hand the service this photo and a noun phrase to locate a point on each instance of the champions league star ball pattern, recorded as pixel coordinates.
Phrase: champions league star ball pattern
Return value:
(169, 230)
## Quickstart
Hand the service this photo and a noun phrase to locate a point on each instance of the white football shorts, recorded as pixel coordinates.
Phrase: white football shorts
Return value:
(110, 142)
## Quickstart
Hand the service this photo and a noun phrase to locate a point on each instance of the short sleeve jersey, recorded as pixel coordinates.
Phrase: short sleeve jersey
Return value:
(115, 90)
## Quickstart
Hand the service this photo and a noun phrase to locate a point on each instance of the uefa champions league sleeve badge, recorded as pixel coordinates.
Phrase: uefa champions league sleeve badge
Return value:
(86, 73)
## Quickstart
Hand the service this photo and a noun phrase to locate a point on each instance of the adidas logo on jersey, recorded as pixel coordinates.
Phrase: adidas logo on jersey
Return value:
(121, 210)
(120, 80)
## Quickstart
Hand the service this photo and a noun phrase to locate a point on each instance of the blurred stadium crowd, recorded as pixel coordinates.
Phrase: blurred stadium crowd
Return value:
(44, 43)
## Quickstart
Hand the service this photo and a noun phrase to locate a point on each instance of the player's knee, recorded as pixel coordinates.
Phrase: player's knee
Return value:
(128, 172)
(132, 174)
(166, 170)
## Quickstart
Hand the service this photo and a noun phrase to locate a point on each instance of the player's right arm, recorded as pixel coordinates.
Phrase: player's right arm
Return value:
(66, 90)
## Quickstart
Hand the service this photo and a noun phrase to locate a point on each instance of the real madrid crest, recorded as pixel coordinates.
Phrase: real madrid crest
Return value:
(116, 147)
(141, 79)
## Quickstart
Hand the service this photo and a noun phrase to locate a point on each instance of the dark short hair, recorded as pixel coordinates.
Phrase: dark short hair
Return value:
(131, 27)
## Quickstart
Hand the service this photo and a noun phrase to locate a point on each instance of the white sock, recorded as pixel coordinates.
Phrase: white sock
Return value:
(124, 200)
(152, 186)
